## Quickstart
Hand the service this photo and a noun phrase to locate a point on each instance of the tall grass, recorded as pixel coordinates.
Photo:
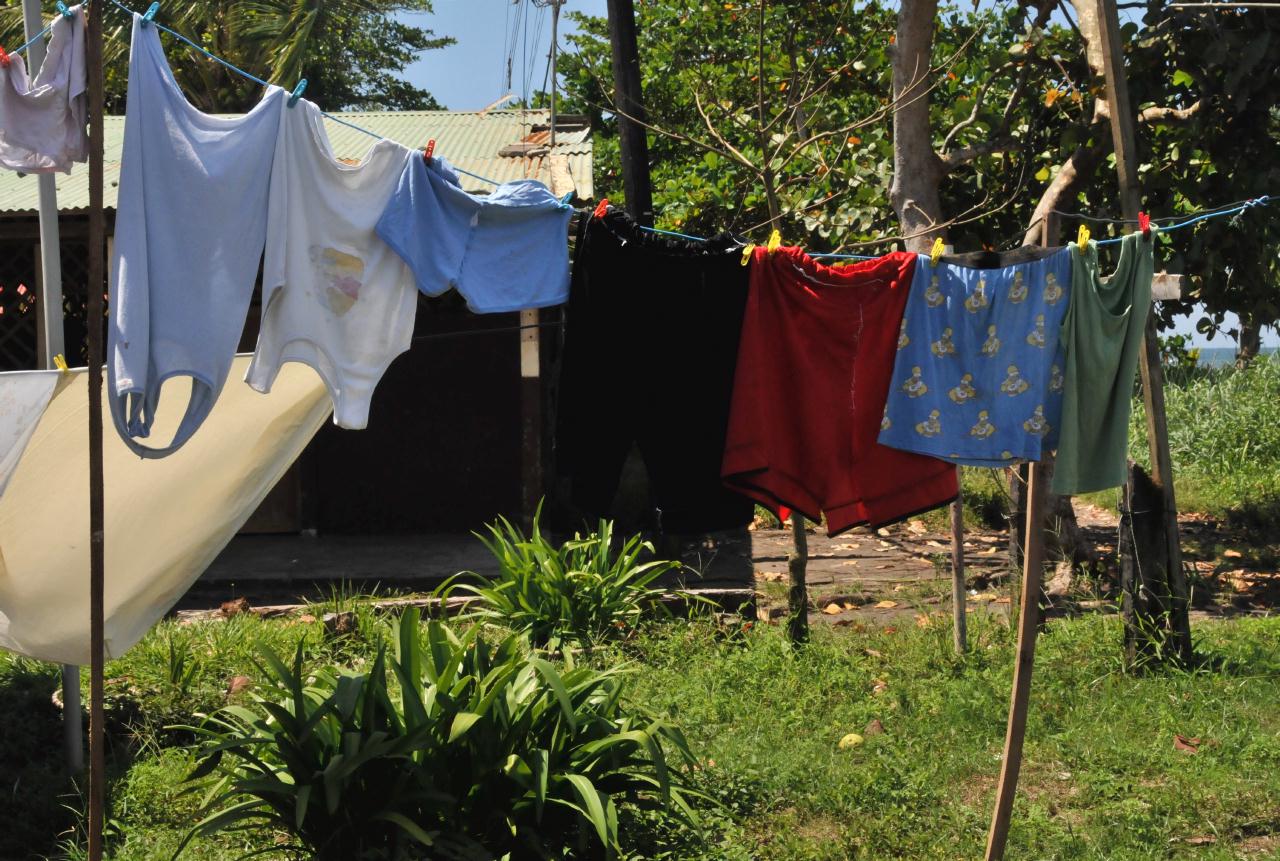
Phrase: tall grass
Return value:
(1224, 438)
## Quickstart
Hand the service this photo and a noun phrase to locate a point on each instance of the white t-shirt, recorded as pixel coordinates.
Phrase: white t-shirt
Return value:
(334, 295)
(42, 121)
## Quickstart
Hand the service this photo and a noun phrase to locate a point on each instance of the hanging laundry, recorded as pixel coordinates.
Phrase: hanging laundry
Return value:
(651, 340)
(334, 295)
(190, 227)
(813, 372)
(166, 519)
(504, 251)
(24, 395)
(1102, 337)
(978, 371)
(42, 121)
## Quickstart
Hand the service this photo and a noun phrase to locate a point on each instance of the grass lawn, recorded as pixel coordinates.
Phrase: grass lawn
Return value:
(1102, 775)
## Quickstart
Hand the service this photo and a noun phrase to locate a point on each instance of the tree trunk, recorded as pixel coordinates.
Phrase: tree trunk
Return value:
(917, 170)
(1250, 342)
(798, 597)
(1151, 616)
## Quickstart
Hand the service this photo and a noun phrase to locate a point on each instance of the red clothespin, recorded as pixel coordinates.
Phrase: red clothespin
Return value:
(601, 208)
(4, 58)
(431, 148)
(1144, 224)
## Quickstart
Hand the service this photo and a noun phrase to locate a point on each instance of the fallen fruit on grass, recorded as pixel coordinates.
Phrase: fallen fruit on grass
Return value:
(850, 740)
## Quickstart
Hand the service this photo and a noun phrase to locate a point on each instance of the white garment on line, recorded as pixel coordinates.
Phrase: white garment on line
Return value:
(334, 295)
(42, 121)
(190, 226)
(24, 395)
(166, 519)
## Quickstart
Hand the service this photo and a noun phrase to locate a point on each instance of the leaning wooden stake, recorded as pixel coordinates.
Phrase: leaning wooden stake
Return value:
(1033, 564)
(1122, 134)
(958, 599)
(798, 598)
(95, 287)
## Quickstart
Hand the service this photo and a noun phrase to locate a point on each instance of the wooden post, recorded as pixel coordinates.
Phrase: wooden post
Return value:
(1122, 134)
(530, 414)
(1033, 564)
(798, 597)
(628, 98)
(959, 628)
(95, 285)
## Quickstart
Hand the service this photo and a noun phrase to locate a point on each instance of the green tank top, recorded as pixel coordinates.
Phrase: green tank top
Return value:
(1102, 340)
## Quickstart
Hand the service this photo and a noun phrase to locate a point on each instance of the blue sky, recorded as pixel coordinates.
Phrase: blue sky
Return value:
(470, 74)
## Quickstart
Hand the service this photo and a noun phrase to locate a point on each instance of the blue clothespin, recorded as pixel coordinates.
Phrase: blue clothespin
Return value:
(564, 201)
(150, 14)
(297, 92)
(66, 13)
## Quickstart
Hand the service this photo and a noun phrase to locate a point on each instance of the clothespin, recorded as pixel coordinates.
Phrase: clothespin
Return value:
(564, 201)
(935, 253)
(4, 58)
(1082, 239)
(297, 92)
(1144, 224)
(60, 362)
(66, 13)
(150, 14)
(601, 208)
(775, 241)
(430, 150)
(746, 252)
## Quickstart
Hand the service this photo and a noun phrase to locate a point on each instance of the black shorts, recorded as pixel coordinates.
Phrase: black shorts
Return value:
(651, 342)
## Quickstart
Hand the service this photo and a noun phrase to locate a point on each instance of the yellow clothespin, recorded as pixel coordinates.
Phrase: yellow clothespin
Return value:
(1082, 240)
(60, 362)
(775, 241)
(935, 253)
(746, 253)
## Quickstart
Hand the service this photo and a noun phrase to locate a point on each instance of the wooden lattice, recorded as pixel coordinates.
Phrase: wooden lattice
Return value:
(20, 295)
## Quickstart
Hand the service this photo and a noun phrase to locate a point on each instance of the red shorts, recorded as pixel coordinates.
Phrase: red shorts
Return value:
(814, 369)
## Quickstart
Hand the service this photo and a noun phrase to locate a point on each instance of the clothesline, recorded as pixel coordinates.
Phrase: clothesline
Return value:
(261, 82)
(1216, 212)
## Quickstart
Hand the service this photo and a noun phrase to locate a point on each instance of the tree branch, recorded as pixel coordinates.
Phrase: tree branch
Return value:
(1156, 115)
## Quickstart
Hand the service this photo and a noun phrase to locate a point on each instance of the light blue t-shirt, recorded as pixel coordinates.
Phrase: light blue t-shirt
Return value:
(191, 223)
(978, 375)
(504, 251)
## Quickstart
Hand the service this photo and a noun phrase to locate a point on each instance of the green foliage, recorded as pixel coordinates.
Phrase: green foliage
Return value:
(581, 592)
(450, 749)
(1224, 438)
(1178, 357)
(352, 52)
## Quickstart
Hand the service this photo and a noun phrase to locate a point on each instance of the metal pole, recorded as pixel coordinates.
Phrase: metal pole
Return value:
(95, 285)
(53, 343)
(555, 30)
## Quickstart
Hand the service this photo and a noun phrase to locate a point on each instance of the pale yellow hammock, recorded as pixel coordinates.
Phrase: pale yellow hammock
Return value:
(166, 519)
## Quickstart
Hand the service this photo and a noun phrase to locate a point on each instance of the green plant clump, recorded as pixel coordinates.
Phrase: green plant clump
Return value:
(456, 749)
(581, 592)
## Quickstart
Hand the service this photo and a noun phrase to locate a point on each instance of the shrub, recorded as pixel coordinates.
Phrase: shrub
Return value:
(581, 592)
(457, 750)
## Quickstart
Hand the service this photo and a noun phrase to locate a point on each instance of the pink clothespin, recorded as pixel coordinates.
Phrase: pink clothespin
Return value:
(431, 148)
(1144, 224)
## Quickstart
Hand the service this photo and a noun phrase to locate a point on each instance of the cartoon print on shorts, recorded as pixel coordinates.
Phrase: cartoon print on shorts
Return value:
(1036, 337)
(983, 428)
(963, 391)
(991, 346)
(1018, 292)
(943, 346)
(978, 298)
(1037, 424)
(1052, 291)
(1015, 383)
(1056, 379)
(885, 424)
(931, 426)
(915, 386)
(341, 274)
(903, 340)
(933, 297)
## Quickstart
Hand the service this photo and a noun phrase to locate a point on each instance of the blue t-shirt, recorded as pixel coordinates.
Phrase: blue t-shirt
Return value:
(504, 251)
(977, 378)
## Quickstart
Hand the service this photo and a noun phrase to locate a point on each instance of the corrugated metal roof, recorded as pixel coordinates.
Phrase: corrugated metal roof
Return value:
(469, 139)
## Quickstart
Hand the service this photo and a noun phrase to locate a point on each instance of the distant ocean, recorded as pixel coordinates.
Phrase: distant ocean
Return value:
(1213, 357)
